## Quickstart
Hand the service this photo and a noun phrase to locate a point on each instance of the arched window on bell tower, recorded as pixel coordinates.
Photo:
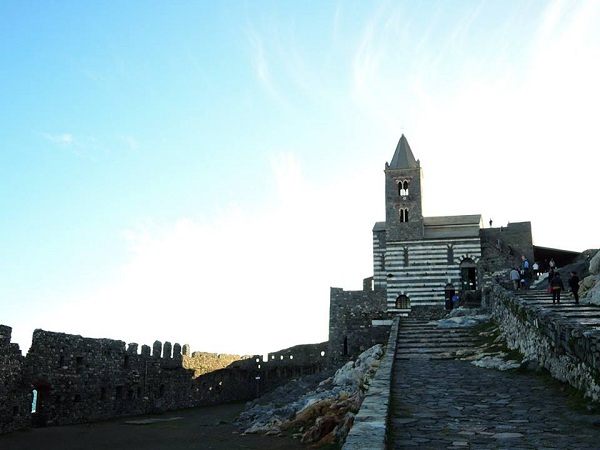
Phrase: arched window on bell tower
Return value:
(403, 188)
(403, 214)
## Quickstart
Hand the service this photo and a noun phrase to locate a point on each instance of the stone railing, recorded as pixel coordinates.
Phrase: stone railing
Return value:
(569, 350)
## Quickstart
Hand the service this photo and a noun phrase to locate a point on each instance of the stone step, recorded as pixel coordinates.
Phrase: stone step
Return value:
(419, 339)
(446, 332)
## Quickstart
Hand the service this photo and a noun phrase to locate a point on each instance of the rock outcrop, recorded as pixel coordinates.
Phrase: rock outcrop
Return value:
(318, 416)
(590, 285)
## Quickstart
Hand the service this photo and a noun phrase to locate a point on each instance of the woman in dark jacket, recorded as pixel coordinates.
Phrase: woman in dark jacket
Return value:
(574, 286)
(556, 284)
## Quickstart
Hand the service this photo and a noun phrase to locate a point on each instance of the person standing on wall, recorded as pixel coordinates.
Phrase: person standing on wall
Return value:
(557, 286)
(574, 286)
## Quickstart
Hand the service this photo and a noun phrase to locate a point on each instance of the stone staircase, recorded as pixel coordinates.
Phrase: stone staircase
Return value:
(421, 339)
(585, 314)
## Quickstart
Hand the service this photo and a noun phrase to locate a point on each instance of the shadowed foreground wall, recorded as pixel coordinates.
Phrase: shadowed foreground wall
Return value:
(78, 379)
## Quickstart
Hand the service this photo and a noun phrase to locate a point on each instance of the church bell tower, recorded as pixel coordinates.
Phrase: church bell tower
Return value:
(403, 205)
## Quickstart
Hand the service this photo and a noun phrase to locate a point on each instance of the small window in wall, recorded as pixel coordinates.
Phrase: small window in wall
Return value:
(345, 351)
(403, 214)
(402, 302)
(405, 255)
(34, 401)
(126, 362)
(450, 254)
(79, 363)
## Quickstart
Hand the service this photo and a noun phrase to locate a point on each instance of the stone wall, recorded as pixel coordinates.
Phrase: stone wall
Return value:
(15, 403)
(202, 363)
(75, 379)
(502, 247)
(357, 321)
(567, 349)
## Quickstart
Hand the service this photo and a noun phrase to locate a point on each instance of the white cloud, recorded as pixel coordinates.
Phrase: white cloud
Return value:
(65, 139)
(242, 282)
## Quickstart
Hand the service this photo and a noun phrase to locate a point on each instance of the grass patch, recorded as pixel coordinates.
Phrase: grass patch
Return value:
(488, 338)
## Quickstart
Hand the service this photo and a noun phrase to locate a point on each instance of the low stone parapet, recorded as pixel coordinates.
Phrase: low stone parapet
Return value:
(370, 424)
(569, 350)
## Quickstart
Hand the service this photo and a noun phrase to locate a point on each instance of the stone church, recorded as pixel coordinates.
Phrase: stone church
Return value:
(415, 256)
(419, 262)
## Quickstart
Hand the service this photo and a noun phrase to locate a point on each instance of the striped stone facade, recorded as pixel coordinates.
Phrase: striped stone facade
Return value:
(420, 270)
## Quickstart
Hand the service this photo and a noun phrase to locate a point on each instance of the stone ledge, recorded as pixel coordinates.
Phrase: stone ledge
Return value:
(370, 424)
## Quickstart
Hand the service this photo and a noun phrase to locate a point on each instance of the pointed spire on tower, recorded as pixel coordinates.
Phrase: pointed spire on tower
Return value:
(403, 156)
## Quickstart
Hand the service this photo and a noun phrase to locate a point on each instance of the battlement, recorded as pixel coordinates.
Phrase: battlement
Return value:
(73, 379)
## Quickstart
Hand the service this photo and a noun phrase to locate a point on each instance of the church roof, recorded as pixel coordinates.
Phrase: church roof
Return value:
(444, 227)
(403, 156)
(473, 219)
(379, 226)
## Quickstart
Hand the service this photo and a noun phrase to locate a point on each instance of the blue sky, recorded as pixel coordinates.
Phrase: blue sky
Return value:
(203, 172)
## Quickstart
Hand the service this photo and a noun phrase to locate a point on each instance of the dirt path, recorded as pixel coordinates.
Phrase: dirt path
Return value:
(200, 428)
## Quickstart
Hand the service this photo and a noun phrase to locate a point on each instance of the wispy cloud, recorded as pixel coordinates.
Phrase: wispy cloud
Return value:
(131, 142)
(64, 139)
(87, 147)
(262, 67)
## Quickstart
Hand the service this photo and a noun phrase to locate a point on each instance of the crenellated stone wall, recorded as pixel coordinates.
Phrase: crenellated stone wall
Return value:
(568, 350)
(67, 379)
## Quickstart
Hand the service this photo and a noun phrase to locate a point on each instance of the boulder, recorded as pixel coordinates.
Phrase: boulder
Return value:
(595, 264)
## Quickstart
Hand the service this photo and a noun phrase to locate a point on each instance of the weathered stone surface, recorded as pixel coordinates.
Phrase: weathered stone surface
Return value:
(78, 379)
(565, 348)
(325, 413)
(595, 264)
(15, 406)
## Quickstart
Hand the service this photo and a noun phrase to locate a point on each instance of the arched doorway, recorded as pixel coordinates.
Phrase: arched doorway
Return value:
(402, 302)
(468, 275)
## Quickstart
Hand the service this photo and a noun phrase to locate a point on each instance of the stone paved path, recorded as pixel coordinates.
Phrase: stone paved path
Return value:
(450, 404)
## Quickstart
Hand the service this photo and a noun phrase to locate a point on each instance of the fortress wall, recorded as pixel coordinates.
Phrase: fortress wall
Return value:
(568, 350)
(306, 354)
(502, 247)
(357, 321)
(15, 403)
(78, 379)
